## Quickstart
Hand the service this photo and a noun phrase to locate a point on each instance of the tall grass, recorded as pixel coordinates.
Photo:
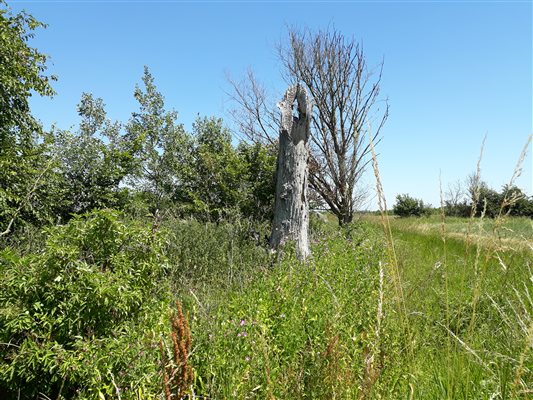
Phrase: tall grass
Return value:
(315, 330)
(469, 311)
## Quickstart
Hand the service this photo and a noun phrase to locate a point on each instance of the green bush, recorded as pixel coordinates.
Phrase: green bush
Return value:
(82, 316)
(259, 180)
(407, 206)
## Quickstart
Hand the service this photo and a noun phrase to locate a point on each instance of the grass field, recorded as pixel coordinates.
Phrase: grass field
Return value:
(512, 232)
(467, 288)
(455, 323)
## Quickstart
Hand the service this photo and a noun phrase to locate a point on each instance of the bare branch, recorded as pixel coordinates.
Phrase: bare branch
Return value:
(256, 117)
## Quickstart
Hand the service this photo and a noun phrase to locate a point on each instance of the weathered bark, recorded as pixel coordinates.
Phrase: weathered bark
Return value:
(291, 212)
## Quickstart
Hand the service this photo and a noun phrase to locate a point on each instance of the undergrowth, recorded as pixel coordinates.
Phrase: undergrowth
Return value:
(415, 313)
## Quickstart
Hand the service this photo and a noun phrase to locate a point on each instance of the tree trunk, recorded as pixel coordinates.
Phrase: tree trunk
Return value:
(291, 212)
(345, 218)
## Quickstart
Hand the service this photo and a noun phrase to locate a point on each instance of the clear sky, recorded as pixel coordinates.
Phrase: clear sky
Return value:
(454, 71)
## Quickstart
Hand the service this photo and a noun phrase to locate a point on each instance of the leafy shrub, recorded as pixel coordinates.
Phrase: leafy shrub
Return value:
(80, 317)
(224, 182)
(25, 175)
(214, 186)
(407, 206)
(510, 200)
(93, 161)
(259, 180)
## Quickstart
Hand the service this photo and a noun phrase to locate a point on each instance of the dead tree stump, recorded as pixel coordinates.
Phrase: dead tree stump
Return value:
(291, 210)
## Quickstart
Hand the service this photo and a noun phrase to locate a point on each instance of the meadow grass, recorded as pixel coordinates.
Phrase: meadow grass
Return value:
(272, 327)
(412, 313)
(297, 330)
(515, 232)
(469, 310)
(425, 308)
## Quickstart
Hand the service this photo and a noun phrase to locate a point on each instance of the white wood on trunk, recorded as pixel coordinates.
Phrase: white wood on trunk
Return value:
(291, 212)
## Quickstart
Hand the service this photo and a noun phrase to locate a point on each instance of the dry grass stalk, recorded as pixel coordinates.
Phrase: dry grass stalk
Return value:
(373, 363)
(445, 256)
(177, 372)
(524, 319)
(492, 250)
(469, 349)
(528, 345)
(379, 313)
(510, 197)
(393, 259)
(477, 272)
(333, 367)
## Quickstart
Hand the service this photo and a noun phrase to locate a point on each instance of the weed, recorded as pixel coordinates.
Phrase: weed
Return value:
(177, 371)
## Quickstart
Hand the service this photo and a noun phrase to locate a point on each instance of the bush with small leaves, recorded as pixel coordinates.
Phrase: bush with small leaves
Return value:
(77, 318)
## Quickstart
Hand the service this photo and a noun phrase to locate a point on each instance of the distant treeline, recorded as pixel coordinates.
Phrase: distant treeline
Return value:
(477, 200)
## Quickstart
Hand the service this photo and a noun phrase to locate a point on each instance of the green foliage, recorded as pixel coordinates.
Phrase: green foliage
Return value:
(163, 159)
(407, 206)
(24, 169)
(224, 182)
(260, 180)
(218, 255)
(93, 162)
(215, 185)
(30, 187)
(511, 200)
(82, 312)
(200, 174)
(23, 71)
(461, 209)
(489, 201)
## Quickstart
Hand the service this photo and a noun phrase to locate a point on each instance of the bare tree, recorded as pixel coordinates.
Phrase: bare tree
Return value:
(256, 116)
(455, 194)
(291, 214)
(345, 93)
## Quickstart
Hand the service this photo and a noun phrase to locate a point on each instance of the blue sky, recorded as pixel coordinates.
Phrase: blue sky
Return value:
(453, 71)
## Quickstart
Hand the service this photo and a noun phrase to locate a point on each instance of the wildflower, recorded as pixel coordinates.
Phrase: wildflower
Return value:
(243, 322)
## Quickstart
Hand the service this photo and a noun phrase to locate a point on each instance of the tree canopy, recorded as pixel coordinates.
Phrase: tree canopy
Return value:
(22, 72)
